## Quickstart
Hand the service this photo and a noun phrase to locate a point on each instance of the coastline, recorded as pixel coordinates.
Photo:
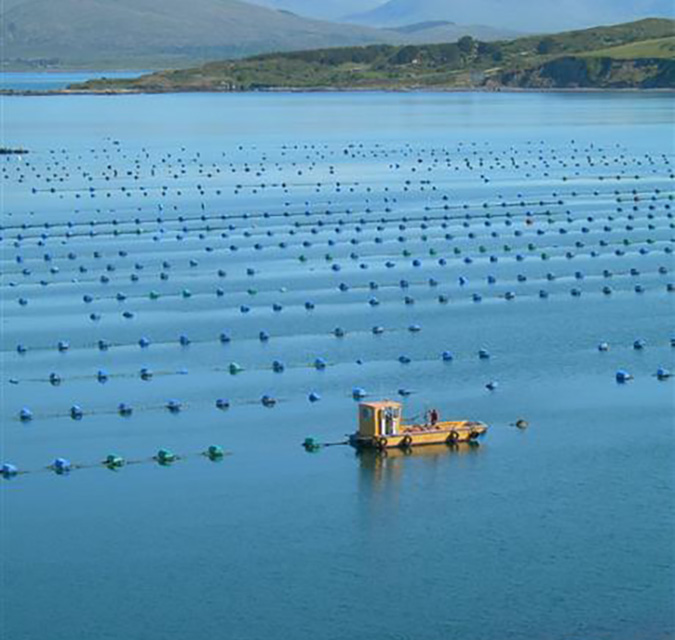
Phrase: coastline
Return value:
(413, 89)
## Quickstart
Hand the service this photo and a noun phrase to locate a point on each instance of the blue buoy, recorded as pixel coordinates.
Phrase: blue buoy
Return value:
(76, 412)
(25, 415)
(102, 376)
(603, 346)
(184, 340)
(623, 376)
(61, 466)
(447, 356)
(8, 470)
(663, 374)
(358, 393)
(404, 359)
(314, 397)
(268, 401)
(124, 409)
(319, 364)
(174, 406)
(639, 344)
(483, 354)
(278, 366)
(491, 386)
(222, 404)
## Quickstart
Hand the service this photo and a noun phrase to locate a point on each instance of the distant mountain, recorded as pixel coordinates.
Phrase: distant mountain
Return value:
(519, 15)
(321, 9)
(159, 33)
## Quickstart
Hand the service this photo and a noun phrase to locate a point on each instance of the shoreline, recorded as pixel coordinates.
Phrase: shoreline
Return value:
(128, 92)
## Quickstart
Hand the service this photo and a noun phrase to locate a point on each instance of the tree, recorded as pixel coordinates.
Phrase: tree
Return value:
(466, 45)
(546, 46)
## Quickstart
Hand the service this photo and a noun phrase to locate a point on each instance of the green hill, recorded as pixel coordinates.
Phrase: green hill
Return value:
(588, 58)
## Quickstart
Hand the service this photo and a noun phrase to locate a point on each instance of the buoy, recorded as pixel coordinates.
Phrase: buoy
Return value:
(278, 366)
(222, 404)
(174, 406)
(234, 368)
(214, 452)
(338, 332)
(113, 461)
(61, 466)
(623, 376)
(603, 346)
(320, 364)
(124, 409)
(491, 386)
(483, 354)
(314, 397)
(268, 401)
(639, 344)
(447, 356)
(76, 412)
(8, 470)
(663, 374)
(358, 393)
(522, 424)
(165, 456)
(311, 444)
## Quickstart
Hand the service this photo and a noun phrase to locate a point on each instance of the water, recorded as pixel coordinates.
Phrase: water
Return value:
(40, 81)
(560, 531)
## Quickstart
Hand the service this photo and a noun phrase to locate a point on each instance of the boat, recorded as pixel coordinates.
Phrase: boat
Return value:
(381, 426)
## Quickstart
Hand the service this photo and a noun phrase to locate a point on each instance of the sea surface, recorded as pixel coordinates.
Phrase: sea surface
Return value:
(41, 81)
(166, 250)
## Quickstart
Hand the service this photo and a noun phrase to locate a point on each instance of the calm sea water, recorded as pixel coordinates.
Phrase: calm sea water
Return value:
(160, 216)
(40, 81)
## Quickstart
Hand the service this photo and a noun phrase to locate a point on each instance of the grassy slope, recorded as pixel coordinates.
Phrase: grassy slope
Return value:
(656, 48)
(566, 59)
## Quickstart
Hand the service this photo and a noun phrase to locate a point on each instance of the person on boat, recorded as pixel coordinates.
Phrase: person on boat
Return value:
(433, 416)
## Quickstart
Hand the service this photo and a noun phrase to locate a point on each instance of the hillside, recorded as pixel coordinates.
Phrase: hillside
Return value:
(588, 58)
(159, 33)
(520, 15)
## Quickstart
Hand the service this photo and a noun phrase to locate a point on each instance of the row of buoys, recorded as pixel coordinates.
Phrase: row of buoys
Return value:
(354, 240)
(278, 366)
(113, 461)
(124, 409)
(309, 305)
(374, 301)
(429, 232)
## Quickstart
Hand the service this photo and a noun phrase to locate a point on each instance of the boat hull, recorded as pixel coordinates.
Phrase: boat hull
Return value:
(444, 433)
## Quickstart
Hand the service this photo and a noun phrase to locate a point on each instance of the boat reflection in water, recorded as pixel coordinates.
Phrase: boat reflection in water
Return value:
(386, 470)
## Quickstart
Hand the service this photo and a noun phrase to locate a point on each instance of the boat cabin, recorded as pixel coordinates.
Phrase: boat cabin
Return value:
(379, 418)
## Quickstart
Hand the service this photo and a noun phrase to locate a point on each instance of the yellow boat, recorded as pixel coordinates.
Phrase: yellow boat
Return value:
(381, 426)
